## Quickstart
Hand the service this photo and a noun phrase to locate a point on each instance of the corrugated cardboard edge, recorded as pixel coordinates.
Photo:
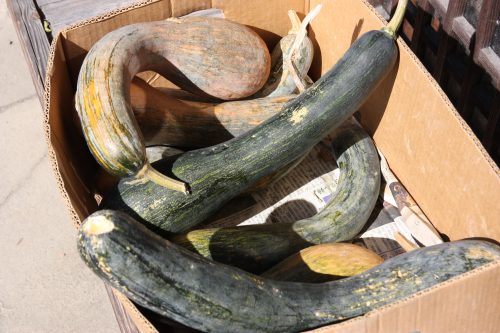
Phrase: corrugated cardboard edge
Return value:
(50, 151)
(100, 18)
(46, 107)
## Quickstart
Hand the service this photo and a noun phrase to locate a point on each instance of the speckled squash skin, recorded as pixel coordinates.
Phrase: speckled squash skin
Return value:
(213, 297)
(256, 248)
(218, 173)
(169, 121)
(209, 56)
(324, 262)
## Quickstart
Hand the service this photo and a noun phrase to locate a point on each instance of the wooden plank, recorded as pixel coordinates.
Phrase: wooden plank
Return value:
(463, 31)
(34, 41)
(491, 136)
(440, 7)
(470, 78)
(490, 13)
(445, 45)
(472, 10)
(422, 19)
(63, 13)
(490, 61)
(484, 55)
(455, 8)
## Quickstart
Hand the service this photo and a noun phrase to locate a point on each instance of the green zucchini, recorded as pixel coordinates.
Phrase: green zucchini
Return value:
(213, 297)
(210, 56)
(218, 173)
(256, 248)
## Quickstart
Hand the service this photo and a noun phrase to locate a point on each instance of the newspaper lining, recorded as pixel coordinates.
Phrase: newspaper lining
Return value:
(382, 241)
(304, 192)
(300, 194)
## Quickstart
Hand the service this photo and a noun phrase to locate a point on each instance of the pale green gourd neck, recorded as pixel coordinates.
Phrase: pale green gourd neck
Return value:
(393, 26)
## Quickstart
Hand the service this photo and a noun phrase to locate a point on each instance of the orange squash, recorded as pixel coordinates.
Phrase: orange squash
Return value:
(324, 262)
(169, 121)
(204, 55)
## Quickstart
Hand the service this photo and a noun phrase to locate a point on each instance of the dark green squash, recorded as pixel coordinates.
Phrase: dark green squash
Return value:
(256, 248)
(213, 297)
(218, 173)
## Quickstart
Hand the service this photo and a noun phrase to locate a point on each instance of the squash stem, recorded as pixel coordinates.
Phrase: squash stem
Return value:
(392, 27)
(292, 14)
(97, 225)
(148, 172)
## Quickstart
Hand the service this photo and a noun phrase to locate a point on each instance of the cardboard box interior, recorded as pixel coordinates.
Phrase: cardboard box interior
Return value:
(428, 146)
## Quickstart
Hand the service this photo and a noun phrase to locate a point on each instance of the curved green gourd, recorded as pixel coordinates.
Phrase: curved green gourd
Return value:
(256, 248)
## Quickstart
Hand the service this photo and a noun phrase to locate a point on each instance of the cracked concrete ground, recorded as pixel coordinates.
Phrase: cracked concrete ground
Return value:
(44, 286)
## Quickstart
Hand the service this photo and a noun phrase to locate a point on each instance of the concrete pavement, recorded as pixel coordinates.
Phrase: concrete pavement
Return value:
(44, 286)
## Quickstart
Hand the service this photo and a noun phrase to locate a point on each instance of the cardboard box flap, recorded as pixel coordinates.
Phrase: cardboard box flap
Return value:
(183, 7)
(268, 18)
(427, 145)
(74, 167)
(448, 307)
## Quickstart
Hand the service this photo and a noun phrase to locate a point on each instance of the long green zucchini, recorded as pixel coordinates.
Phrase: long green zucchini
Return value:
(211, 56)
(256, 248)
(213, 297)
(218, 173)
(103, 182)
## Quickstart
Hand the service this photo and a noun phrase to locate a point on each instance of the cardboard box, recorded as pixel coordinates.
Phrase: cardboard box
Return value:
(429, 147)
